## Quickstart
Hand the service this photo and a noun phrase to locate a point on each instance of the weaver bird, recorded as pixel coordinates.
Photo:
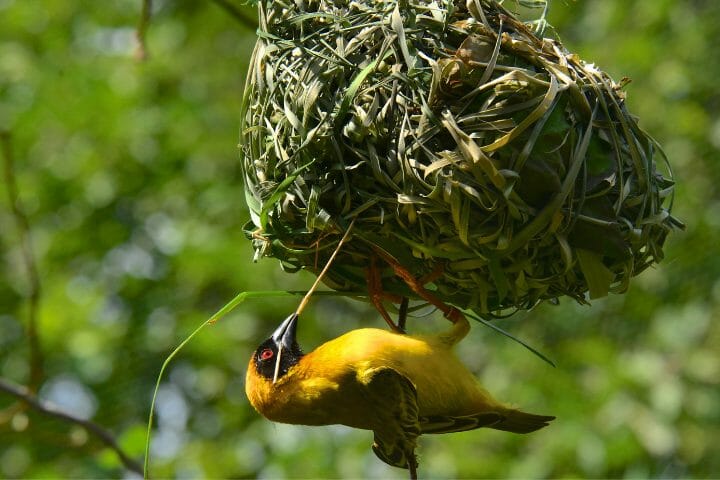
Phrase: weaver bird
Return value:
(399, 386)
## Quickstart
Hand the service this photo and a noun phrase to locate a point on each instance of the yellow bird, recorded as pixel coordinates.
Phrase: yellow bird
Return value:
(399, 386)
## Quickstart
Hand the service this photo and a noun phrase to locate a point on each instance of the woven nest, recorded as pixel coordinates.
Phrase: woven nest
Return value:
(466, 146)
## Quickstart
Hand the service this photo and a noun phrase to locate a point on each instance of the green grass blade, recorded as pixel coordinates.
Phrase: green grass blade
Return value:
(535, 351)
(227, 308)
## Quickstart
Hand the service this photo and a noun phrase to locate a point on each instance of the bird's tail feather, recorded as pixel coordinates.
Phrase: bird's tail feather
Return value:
(517, 421)
(508, 420)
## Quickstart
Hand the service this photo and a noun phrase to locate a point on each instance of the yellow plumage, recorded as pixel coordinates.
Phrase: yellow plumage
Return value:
(397, 385)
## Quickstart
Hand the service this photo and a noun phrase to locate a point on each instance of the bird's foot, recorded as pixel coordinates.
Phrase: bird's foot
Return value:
(418, 286)
(376, 294)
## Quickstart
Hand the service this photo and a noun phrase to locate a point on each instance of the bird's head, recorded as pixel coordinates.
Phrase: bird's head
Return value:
(276, 355)
(269, 364)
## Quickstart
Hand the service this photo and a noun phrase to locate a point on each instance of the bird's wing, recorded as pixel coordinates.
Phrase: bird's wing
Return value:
(448, 424)
(394, 399)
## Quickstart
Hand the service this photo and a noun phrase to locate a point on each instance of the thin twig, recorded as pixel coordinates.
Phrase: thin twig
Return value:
(104, 435)
(141, 52)
(236, 14)
(306, 298)
(33, 294)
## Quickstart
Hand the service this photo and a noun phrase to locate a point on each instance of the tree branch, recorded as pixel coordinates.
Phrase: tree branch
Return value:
(236, 14)
(24, 394)
(23, 226)
(141, 52)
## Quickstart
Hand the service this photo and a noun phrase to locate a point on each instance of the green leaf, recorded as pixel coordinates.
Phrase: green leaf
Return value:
(278, 193)
(498, 275)
(597, 275)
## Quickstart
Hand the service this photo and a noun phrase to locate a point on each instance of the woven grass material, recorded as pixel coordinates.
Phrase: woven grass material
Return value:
(462, 142)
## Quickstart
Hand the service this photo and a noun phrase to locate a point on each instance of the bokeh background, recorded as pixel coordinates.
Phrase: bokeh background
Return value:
(128, 176)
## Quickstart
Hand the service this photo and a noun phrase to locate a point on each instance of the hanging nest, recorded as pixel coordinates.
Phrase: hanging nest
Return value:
(466, 146)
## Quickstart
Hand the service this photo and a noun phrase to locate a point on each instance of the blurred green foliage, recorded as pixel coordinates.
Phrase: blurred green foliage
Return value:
(128, 174)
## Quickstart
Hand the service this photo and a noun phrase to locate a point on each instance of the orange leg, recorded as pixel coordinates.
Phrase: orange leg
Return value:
(434, 275)
(376, 296)
(417, 286)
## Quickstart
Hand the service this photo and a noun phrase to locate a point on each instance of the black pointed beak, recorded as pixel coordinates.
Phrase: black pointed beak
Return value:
(284, 335)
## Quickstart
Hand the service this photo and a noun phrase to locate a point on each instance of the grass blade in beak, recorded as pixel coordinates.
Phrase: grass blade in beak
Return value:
(277, 364)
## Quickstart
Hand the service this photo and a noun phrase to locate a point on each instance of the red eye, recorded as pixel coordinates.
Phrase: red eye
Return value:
(266, 354)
